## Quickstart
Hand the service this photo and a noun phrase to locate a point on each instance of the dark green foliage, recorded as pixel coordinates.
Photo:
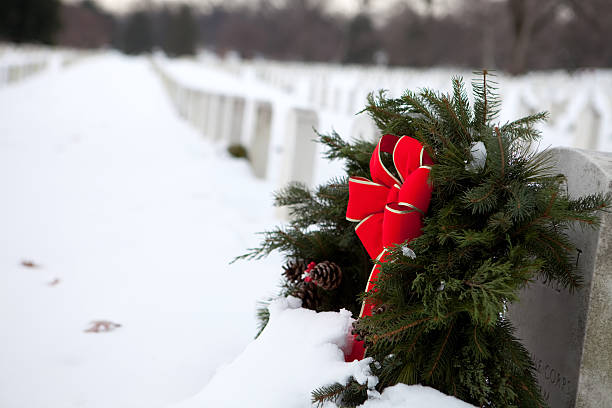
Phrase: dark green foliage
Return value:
(347, 395)
(238, 151)
(263, 316)
(491, 229)
(317, 232)
(35, 21)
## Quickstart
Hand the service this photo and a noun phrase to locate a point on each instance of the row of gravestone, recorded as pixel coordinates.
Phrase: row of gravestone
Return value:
(233, 119)
(24, 62)
(579, 104)
(568, 335)
(14, 73)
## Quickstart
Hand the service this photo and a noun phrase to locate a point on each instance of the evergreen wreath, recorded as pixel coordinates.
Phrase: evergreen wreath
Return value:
(494, 225)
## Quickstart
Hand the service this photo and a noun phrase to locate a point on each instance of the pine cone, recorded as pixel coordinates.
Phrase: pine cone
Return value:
(308, 293)
(293, 270)
(327, 275)
(359, 334)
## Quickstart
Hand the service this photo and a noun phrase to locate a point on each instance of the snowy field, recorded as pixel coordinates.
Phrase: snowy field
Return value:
(128, 216)
(115, 210)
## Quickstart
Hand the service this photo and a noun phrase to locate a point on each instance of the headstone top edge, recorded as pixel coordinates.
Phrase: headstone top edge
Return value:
(601, 160)
(263, 103)
(304, 111)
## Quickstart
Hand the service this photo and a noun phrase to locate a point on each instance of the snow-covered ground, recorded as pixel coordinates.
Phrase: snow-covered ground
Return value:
(129, 216)
(298, 351)
(114, 210)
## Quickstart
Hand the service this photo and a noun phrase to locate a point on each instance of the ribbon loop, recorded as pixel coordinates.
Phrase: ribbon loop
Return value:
(389, 211)
(365, 198)
(380, 174)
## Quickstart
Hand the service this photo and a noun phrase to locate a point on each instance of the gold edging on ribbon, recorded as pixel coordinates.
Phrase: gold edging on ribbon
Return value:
(381, 163)
(364, 220)
(400, 211)
(425, 167)
(365, 181)
(370, 277)
(421, 156)
(393, 156)
(412, 206)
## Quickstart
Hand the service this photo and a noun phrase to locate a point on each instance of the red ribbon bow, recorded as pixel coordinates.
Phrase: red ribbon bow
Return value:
(389, 211)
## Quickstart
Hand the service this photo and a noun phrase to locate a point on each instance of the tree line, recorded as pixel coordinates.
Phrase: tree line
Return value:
(512, 35)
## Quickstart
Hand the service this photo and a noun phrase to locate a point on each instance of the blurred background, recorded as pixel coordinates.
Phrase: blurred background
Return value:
(512, 35)
(141, 143)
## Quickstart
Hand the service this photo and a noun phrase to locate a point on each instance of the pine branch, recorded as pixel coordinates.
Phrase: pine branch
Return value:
(450, 329)
(327, 393)
(501, 149)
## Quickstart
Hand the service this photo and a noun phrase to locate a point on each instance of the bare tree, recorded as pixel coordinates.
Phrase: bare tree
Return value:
(528, 18)
(587, 21)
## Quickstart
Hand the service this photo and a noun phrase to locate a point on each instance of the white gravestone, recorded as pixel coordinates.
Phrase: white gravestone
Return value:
(260, 145)
(212, 116)
(235, 128)
(203, 112)
(300, 147)
(225, 118)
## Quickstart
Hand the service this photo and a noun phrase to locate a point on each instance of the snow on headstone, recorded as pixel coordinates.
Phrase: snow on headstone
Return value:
(260, 144)
(570, 335)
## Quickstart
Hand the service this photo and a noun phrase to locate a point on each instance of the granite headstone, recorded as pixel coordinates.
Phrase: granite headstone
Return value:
(568, 335)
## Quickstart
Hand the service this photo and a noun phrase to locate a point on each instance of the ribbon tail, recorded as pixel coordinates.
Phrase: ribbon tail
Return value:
(400, 223)
(358, 350)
